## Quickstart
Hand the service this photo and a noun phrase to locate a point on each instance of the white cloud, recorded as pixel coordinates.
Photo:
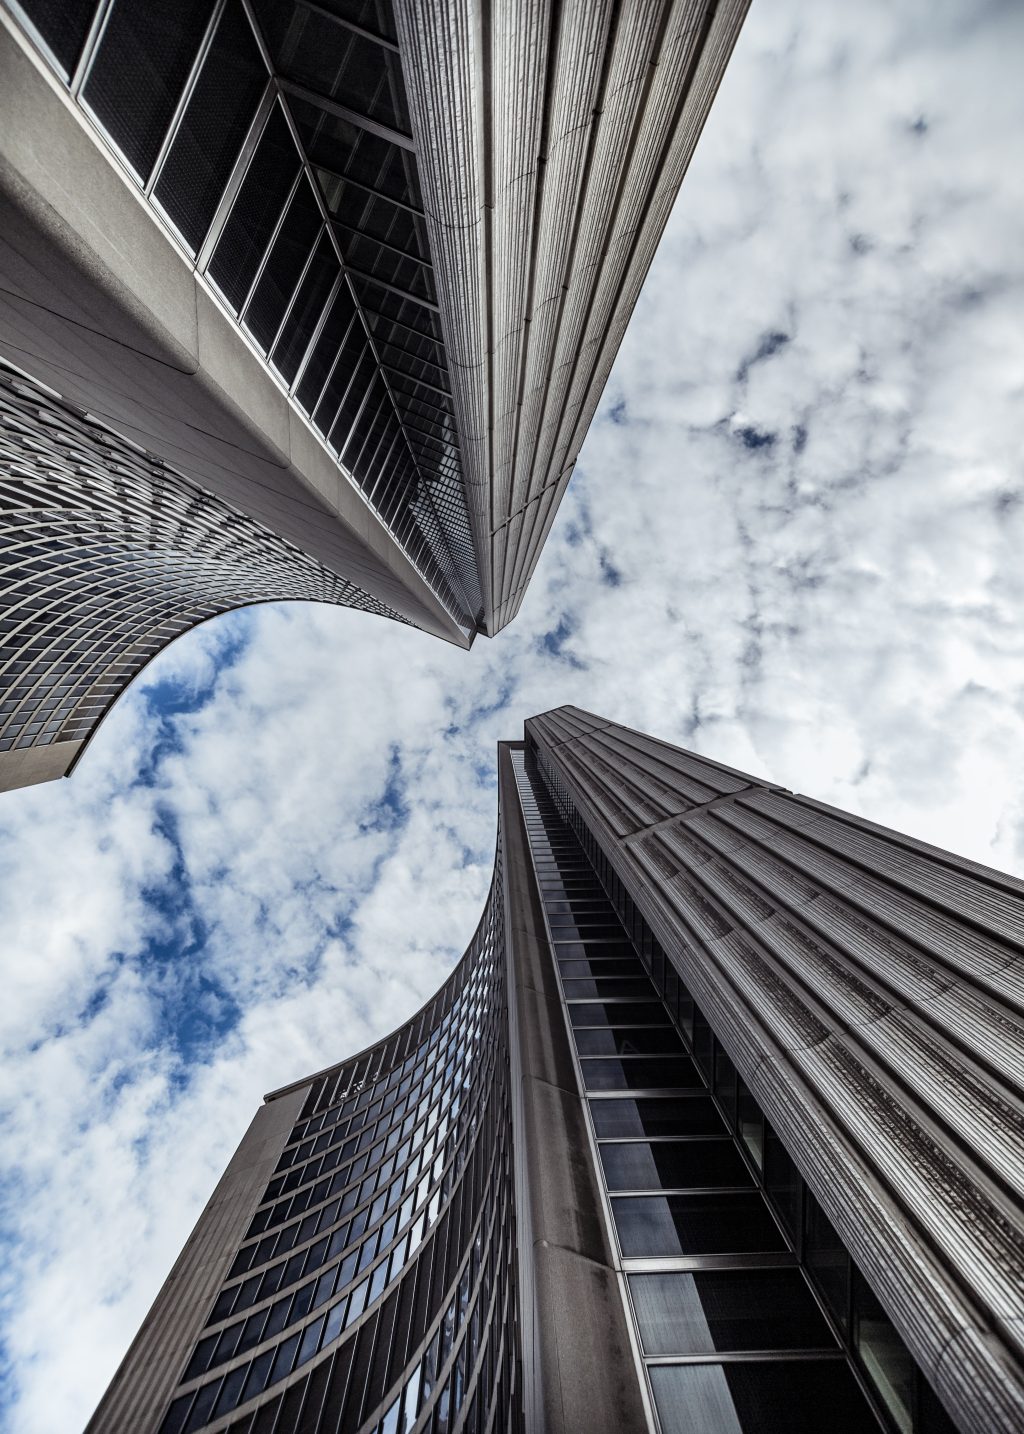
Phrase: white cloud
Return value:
(819, 580)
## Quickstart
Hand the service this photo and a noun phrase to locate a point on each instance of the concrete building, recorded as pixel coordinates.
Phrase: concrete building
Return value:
(354, 271)
(716, 1126)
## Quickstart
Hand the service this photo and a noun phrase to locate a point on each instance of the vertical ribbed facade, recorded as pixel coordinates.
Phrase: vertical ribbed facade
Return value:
(865, 991)
(555, 139)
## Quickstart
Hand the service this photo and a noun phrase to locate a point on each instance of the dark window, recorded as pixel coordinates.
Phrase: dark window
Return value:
(757, 1397)
(618, 1013)
(668, 1164)
(285, 263)
(216, 120)
(826, 1259)
(886, 1359)
(695, 1115)
(750, 1123)
(714, 1224)
(138, 74)
(326, 350)
(782, 1181)
(727, 1310)
(258, 206)
(637, 1041)
(306, 310)
(63, 24)
(640, 1074)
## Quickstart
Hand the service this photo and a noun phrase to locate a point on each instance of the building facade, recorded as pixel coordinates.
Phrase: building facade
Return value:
(355, 270)
(717, 1126)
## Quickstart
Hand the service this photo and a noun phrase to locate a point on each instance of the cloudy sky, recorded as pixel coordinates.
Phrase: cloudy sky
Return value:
(793, 543)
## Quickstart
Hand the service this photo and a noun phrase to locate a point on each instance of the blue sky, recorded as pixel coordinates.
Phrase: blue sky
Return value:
(793, 543)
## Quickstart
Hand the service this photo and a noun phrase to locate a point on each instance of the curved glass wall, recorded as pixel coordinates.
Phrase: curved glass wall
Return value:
(375, 1289)
(108, 555)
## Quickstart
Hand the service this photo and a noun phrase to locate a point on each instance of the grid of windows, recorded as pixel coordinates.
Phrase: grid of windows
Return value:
(109, 554)
(274, 140)
(743, 1300)
(382, 1252)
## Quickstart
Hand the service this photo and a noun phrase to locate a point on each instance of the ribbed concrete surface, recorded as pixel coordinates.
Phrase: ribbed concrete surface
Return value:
(870, 989)
(552, 139)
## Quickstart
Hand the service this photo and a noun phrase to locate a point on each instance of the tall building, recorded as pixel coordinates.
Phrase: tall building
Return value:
(717, 1126)
(351, 273)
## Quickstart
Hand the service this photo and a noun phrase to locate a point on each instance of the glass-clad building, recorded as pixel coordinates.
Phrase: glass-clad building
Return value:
(716, 1126)
(355, 269)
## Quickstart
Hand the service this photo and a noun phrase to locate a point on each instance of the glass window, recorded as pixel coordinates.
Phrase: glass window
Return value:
(63, 24)
(725, 1082)
(216, 120)
(670, 1164)
(715, 1224)
(696, 1115)
(138, 73)
(606, 987)
(642, 1073)
(727, 1310)
(636, 1041)
(885, 1357)
(703, 1042)
(750, 1123)
(782, 1181)
(760, 1397)
(638, 1013)
(289, 253)
(826, 1258)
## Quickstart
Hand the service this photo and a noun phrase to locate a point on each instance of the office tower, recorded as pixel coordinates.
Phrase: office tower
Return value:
(716, 1126)
(352, 272)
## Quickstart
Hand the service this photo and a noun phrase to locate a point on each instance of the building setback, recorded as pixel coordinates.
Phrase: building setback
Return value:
(356, 271)
(716, 1126)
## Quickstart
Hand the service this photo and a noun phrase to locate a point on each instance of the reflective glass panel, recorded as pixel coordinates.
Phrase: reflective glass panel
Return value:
(714, 1310)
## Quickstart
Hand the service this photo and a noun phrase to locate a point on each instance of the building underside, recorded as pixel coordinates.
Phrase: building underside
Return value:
(357, 271)
(717, 1126)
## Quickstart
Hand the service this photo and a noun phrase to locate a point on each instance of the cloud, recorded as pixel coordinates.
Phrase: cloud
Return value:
(792, 543)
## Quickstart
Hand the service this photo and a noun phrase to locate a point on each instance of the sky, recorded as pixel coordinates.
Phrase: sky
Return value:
(793, 543)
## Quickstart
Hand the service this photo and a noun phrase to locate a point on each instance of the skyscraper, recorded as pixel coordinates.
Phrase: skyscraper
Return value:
(716, 1126)
(351, 273)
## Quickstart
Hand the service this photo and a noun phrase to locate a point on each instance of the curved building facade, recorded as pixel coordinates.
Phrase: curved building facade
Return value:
(359, 269)
(717, 1125)
(109, 554)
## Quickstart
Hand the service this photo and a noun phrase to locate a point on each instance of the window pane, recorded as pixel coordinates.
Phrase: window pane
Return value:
(139, 72)
(695, 1115)
(306, 310)
(672, 1164)
(757, 1397)
(216, 121)
(286, 261)
(618, 1013)
(827, 1259)
(782, 1181)
(727, 1310)
(63, 24)
(256, 210)
(608, 987)
(886, 1358)
(750, 1123)
(640, 1074)
(716, 1224)
(638, 1041)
